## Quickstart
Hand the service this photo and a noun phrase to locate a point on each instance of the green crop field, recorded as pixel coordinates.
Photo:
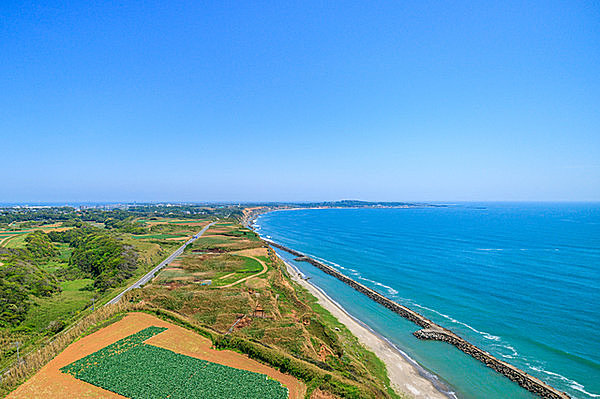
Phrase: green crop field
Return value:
(135, 370)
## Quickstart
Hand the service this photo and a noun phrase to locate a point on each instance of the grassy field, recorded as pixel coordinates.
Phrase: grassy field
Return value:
(157, 236)
(74, 298)
(17, 241)
(289, 318)
(251, 305)
(220, 269)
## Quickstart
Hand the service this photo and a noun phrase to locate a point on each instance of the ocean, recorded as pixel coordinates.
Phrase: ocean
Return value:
(519, 280)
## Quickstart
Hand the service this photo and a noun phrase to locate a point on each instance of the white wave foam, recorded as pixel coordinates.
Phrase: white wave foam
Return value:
(452, 319)
(573, 384)
(499, 344)
(356, 274)
(377, 283)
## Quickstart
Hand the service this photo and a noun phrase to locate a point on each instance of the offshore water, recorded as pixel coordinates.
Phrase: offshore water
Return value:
(521, 281)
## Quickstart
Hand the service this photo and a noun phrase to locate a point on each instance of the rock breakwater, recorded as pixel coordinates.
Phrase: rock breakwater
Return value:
(433, 331)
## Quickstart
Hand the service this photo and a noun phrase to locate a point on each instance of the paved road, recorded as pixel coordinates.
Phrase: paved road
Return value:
(150, 275)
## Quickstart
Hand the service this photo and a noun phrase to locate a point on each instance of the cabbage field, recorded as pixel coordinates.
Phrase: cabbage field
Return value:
(134, 369)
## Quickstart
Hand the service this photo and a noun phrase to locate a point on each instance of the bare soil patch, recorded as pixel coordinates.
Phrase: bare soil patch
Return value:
(50, 382)
(182, 341)
(252, 252)
(177, 238)
(318, 394)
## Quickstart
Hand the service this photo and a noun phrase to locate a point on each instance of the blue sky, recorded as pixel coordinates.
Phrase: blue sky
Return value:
(239, 101)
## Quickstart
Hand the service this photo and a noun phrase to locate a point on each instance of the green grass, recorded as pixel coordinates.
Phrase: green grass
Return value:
(208, 242)
(214, 269)
(71, 300)
(250, 265)
(17, 241)
(64, 251)
(53, 265)
(137, 370)
(61, 261)
(158, 236)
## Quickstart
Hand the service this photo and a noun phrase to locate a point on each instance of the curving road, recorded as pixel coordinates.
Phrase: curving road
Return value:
(150, 275)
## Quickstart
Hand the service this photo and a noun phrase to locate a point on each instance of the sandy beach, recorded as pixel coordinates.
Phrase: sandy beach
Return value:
(405, 378)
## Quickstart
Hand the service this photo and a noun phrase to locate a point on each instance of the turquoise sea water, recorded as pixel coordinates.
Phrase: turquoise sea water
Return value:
(521, 281)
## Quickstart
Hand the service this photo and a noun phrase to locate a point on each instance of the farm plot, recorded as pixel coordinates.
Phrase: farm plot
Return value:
(134, 369)
(221, 269)
(160, 236)
(51, 382)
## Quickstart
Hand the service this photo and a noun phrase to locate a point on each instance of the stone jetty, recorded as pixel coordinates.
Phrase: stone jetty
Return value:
(432, 331)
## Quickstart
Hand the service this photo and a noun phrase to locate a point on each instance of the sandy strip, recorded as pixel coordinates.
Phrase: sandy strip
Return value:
(405, 378)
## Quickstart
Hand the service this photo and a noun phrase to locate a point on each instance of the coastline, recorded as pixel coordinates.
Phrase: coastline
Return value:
(429, 330)
(404, 376)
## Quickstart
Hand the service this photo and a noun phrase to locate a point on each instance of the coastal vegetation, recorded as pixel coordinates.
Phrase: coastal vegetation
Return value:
(266, 316)
(228, 286)
(60, 263)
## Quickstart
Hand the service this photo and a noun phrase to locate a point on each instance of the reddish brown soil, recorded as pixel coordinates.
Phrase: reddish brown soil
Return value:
(318, 394)
(324, 352)
(51, 383)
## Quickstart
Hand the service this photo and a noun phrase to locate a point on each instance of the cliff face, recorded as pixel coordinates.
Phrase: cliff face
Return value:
(433, 331)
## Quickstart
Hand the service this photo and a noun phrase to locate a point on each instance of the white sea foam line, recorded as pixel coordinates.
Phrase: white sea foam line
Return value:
(572, 383)
(387, 287)
(391, 290)
(430, 376)
(482, 333)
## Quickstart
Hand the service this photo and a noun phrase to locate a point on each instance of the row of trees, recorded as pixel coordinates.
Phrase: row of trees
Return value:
(102, 215)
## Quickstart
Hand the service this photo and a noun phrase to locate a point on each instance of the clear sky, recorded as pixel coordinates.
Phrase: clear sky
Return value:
(282, 100)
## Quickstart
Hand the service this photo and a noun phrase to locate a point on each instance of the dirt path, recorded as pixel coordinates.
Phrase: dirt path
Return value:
(264, 270)
(5, 240)
(225, 276)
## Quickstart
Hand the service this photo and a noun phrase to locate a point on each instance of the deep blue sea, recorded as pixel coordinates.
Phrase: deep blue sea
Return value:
(521, 281)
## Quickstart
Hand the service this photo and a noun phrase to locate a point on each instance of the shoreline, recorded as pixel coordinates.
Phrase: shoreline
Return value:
(432, 331)
(429, 330)
(406, 375)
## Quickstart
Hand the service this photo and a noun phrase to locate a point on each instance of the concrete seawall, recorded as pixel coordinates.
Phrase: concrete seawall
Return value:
(433, 331)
